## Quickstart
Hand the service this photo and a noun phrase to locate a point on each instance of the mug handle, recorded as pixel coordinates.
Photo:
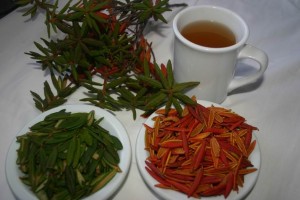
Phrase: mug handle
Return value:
(260, 57)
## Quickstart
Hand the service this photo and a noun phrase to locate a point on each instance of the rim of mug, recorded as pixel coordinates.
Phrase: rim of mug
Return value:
(185, 41)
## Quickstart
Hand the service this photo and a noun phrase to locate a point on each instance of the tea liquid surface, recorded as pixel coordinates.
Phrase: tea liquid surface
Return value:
(209, 34)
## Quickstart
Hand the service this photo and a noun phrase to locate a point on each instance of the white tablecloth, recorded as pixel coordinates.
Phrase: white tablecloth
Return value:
(272, 104)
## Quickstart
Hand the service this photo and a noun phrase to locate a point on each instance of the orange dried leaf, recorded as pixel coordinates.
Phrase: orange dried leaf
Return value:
(166, 161)
(224, 135)
(160, 185)
(200, 137)
(240, 143)
(230, 157)
(203, 187)
(171, 118)
(197, 130)
(242, 132)
(172, 143)
(156, 126)
(247, 171)
(218, 118)
(178, 151)
(215, 147)
(199, 155)
(187, 162)
(173, 158)
(161, 152)
(227, 114)
(147, 141)
(211, 118)
(251, 148)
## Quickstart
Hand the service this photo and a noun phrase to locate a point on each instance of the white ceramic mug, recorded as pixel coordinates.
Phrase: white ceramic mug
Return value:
(213, 67)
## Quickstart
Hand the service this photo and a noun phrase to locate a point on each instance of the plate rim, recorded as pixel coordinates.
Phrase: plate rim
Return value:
(110, 121)
(163, 193)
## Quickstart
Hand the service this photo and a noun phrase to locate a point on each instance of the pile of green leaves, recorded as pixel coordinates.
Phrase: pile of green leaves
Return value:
(104, 38)
(68, 156)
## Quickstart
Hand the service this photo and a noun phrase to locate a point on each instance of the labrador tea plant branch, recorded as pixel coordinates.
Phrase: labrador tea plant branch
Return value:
(104, 38)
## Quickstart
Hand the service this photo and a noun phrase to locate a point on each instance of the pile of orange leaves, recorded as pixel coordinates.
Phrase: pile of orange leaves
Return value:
(204, 152)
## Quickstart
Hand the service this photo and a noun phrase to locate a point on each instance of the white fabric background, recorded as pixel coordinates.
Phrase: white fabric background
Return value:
(272, 104)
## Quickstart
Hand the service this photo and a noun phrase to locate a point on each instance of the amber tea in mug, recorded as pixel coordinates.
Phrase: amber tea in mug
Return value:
(213, 66)
(209, 34)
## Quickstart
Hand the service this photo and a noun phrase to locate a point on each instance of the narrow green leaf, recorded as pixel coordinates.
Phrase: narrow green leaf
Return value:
(52, 158)
(100, 6)
(185, 99)
(108, 157)
(31, 11)
(141, 93)
(146, 68)
(70, 178)
(36, 96)
(125, 94)
(170, 75)
(75, 16)
(181, 87)
(76, 27)
(41, 48)
(116, 82)
(162, 77)
(71, 151)
(74, 73)
(63, 27)
(159, 100)
(65, 8)
(86, 137)
(77, 55)
(93, 42)
(150, 81)
(168, 105)
(77, 153)
(48, 92)
(117, 143)
(55, 81)
(85, 49)
(177, 105)
(94, 25)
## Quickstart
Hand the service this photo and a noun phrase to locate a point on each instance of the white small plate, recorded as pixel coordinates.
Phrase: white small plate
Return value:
(142, 154)
(110, 123)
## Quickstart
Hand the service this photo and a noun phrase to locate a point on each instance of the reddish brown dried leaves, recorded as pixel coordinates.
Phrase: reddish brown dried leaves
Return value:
(203, 153)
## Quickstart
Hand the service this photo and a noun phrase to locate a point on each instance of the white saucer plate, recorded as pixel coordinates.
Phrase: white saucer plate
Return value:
(110, 123)
(142, 154)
